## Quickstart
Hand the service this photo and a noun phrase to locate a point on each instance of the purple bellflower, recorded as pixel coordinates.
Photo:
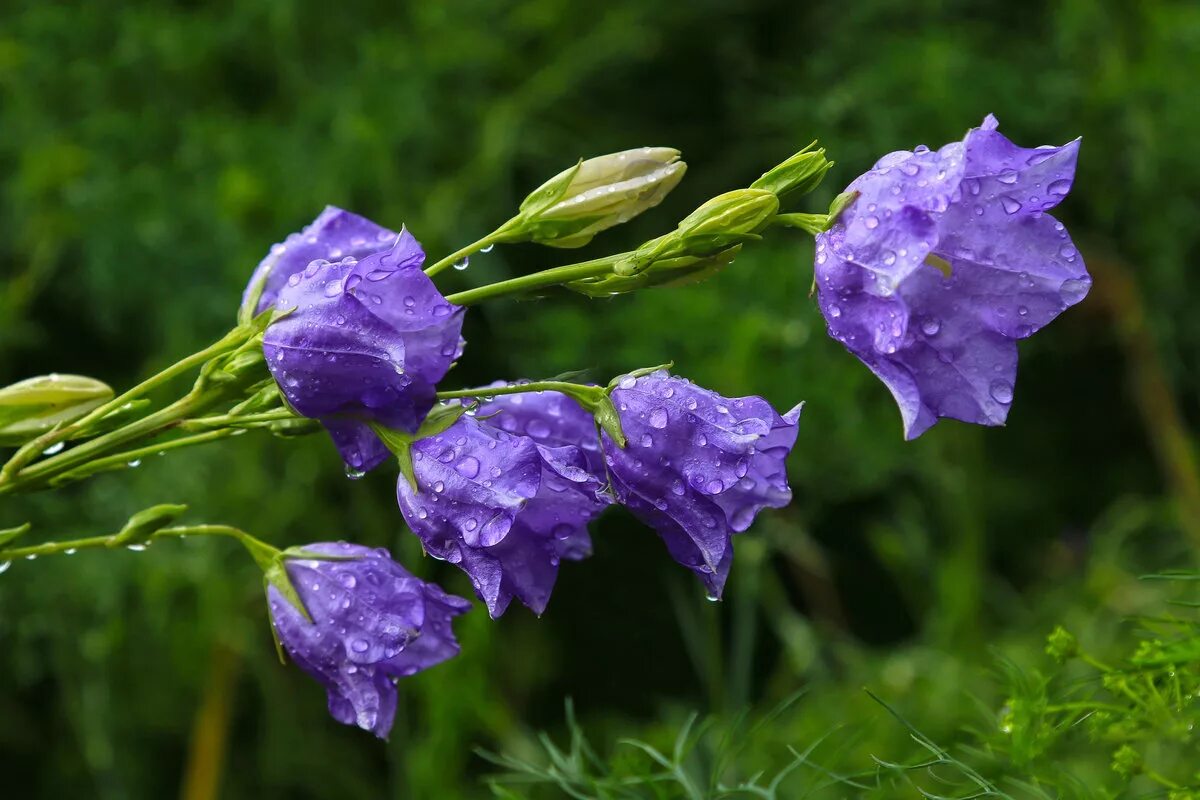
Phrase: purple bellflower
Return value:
(503, 508)
(332, 236)
(942, 262)
(365, 340)
(698, 467)
(369, 622)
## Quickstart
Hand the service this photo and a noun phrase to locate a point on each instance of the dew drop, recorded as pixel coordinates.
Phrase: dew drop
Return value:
(1011, 206)
(659, 418)
(871, 222)
(54, 448)
(1074, 289)
(468, 467)
(1059, 188)
(931, 326)
(461, 265)
(1001, 391)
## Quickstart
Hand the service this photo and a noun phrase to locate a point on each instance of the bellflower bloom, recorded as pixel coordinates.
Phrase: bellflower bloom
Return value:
(371, 623)
(698, 467)
(502, 507)
(942, 262)
(366, 340)
(332, 236)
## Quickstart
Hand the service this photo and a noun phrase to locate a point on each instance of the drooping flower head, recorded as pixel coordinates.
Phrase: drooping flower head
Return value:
(333, 235)
(698, 467)
(369, 623)
(943, 261)
(367, 339)
(503, 508)
(549, 418)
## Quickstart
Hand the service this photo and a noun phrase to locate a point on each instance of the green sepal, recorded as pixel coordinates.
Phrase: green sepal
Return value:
(608, 419)
(276, 575)
(840, 204)
(144, 524)
(638, 373)
(439, 419)
(549, 192)
(10, 535)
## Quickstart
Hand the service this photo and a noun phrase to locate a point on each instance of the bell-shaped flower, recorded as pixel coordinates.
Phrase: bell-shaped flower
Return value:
(365, 622)
(503, 508)
(942, 262)
(698, 467)
(364, 340)
(333, 235)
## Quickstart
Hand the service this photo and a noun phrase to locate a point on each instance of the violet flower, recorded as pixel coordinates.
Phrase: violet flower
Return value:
(942, 262)
(333, 235)
(503, 508)
(366, 340)
(549, 418)
(369, 622)
(698, 467)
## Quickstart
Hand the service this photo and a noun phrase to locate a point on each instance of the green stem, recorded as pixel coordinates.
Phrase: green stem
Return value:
(34, 448)
(255, 546)
(516, 388)
(537, 280)
(124, 459)
(237, 420)
(38, 474)
(492, 238)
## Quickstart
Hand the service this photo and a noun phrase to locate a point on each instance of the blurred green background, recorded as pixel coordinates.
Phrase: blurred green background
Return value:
(150, 153)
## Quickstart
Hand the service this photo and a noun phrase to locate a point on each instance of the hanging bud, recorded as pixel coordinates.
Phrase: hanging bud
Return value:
(596, 194)
(800, 174)
(31, 407)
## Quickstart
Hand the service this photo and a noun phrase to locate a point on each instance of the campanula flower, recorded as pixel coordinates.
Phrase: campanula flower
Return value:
(503, 508)
(368, 623)
(365, 340)
(332, 236)
(698, 467)
(943, 261)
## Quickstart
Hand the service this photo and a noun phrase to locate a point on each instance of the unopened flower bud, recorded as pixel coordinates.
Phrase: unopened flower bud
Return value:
(596, 194)
(33, 406)
(800, 174)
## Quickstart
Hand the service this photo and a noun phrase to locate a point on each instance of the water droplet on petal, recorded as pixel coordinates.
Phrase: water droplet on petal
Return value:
(1074, 289)
(1059, 188)
(1001, 391)
(468, 467)
(659, 418)
(1011, 206)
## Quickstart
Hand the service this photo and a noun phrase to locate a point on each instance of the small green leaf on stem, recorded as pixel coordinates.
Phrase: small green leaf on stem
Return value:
(10, 535)
(144, 524)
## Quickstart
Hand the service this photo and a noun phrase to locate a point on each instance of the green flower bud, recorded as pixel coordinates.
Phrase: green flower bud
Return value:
(1062, 644)
(1127, 762)
(31, 407)
(671, 271)
(144, 524)
(728, 217)
(800, 174)
(594, 195)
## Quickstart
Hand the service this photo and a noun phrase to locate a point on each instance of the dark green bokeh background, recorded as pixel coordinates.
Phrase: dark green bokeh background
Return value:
(150, 153)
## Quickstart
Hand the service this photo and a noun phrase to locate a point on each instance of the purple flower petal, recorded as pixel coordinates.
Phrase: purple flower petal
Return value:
(549, 418)
(333, 235)
(366, 340)
(372, 622)
(503, 508)
(945, 345)
(698, 467)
